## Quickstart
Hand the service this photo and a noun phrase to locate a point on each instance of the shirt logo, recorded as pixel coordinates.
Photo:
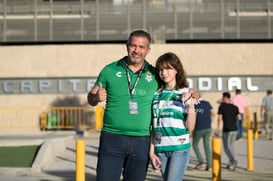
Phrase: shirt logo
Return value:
(118, 74)
(148, 77)
(182, 140)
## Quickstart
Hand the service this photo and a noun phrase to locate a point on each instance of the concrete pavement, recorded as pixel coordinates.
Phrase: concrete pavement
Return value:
(57, 160)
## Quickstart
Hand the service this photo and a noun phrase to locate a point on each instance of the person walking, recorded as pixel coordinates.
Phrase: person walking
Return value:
(173, 119)
(239, 101)
(267, 113)
(202, 131)
(228, 115)
(127, 85)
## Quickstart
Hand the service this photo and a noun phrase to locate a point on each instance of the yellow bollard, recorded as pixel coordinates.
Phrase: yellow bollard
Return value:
(43, 121)
(80, 160)
(247, 121)
(99, 117)
(250, 166)
(216, 159)
(256, 135)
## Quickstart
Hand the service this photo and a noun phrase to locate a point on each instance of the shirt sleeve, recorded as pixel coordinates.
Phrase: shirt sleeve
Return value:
(102, 77)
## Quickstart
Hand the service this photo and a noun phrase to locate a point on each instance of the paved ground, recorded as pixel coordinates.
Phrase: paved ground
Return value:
(62, 166)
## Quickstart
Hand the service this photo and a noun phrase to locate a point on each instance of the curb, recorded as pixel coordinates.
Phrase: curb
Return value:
(49, 149)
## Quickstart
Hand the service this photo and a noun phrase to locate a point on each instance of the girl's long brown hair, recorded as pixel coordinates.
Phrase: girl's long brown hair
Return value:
(167, 59)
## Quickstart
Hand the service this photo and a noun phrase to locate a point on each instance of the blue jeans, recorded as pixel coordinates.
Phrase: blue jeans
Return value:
(174, 164)
(228, 142)
(119, 153)
(240, 127)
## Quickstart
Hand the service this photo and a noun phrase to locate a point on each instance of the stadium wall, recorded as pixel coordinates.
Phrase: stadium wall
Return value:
(86, 60)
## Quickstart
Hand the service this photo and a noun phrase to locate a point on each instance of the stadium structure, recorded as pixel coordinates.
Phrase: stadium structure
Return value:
(53, 21)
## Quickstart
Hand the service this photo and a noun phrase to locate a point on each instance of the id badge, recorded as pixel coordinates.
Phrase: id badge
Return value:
(133, 107)
(157, 138)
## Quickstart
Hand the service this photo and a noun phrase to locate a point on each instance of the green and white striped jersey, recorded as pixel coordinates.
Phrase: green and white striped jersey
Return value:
(169, 118)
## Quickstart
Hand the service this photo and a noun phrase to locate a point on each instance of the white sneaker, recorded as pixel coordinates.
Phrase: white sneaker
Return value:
(233, 166)
(200, 165)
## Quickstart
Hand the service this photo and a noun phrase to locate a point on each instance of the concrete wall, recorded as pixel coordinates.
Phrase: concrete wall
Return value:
(87, 60)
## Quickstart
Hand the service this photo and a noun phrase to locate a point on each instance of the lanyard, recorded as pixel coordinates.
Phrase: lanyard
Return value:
(133, 88)
(158, 109)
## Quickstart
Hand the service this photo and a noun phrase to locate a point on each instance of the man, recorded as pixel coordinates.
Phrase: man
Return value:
(267, 113)
(202, 130)
(127, 86)
(239, 101)
(228, 114)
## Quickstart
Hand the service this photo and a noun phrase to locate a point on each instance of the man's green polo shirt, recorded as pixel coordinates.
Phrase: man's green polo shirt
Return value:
(117, 118)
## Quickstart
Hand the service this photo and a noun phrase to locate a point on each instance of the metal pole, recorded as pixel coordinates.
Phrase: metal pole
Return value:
(5, 21)
(269, 19)
(222, 19)
(247, 113)
(99, 117)
(256, 135)
(250, 166)
(129, 27)
(51, 20)
(191, 20)
(43, 121)
(80, 160)
(35, 21)
(175, 19)
(238, 19)
(97, 20)
(216, 159)
(144, 24)
(82, 19)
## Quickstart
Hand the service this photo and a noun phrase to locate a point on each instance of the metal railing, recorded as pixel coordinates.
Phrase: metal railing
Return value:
(86, 20)
(67, 118)
(74, 118)
(52, 118)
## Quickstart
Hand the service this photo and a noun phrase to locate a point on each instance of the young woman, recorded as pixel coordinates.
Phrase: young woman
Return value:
(173, 119)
